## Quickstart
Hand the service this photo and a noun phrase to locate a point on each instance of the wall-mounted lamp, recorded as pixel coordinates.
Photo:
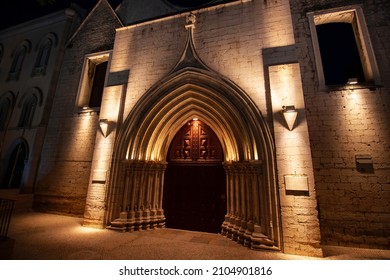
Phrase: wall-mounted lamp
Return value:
(103, 123)
(290, 115)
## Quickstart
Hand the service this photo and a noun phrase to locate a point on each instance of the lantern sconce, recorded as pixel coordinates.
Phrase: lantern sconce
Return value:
(104, 123)
(290, 115)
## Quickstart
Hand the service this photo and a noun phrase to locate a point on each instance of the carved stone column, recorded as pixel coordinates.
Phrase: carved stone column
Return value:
(142, 197)
(244, 216)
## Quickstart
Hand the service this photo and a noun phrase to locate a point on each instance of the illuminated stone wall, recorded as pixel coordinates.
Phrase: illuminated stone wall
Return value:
(297, 188)
(228, 39)
(259, 56)
(70, 141)
(343, 125)
(240, 42)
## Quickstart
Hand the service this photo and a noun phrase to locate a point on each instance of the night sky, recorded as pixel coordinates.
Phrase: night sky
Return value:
(189, 3)
(13, 12)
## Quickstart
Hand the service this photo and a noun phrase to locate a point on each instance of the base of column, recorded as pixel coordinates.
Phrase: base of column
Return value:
(138, 221)
(247, 234)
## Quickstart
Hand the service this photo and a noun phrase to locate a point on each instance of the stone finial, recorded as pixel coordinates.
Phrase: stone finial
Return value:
(190, 21)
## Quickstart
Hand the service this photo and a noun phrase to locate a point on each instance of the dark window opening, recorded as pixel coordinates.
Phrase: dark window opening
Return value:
(42, 59)
(28, 111)
(17, 64)
(95, 98)
(339, 53)
(5, 106)
(15, 167)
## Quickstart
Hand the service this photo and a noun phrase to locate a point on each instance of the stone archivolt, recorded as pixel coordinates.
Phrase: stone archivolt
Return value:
(191, 91)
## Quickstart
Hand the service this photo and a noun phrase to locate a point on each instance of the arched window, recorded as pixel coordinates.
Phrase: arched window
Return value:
(42, 59)
(28, 110)
(17, 64)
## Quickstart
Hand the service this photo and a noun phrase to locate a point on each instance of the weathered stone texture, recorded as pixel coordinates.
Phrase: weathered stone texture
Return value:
(265, 48)
(353, 206)
(67, 154)
(229, 40)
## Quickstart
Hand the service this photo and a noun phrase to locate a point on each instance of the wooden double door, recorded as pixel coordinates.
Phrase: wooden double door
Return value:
(195, 180)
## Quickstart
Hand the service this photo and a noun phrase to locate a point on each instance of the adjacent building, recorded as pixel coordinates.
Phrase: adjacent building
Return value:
(30, 62)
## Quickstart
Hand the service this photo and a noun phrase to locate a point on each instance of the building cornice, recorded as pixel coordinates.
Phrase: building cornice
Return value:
(38, 23)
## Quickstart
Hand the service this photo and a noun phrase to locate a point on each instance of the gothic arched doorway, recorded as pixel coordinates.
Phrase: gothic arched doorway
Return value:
(137, 188)
(195, 180)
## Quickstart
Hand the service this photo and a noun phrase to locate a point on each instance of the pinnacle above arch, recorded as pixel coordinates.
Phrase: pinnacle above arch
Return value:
(189, 57)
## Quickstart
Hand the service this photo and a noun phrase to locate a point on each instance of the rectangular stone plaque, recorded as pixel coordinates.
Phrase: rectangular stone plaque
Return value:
(118, 78)
(99, 176)
(296, 183)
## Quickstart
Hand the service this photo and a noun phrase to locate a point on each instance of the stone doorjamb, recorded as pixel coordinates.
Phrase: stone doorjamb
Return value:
(246, 205)
(141, 205)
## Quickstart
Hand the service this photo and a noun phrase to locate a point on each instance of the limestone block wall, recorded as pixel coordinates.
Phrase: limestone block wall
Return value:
(229, 39)
(233, 40)
(344, 124)
(64, 172)
(266, 49)
(297, 189)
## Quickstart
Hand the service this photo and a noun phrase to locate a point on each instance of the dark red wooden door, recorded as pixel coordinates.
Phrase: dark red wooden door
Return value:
(195, 181)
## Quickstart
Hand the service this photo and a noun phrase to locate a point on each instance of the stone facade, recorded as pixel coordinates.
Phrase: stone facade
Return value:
(214, 51)
(343, 124)
(63, 178)
(239, 66)
(30, 59)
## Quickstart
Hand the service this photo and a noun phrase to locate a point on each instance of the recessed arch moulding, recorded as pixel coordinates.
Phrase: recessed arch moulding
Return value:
(137, 182)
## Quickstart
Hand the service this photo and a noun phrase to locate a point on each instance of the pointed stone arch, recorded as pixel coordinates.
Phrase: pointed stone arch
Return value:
(188, 95)
(135, 196)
